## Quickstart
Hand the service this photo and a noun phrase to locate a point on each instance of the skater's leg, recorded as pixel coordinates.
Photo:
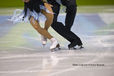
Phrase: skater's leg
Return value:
(44, 33)
(49, 19)
(67, 34)
(60, 28)
(38, 28)
(70, 16)
(48, 22)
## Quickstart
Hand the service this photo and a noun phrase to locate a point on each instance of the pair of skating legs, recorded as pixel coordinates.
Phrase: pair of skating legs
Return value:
(44, 31)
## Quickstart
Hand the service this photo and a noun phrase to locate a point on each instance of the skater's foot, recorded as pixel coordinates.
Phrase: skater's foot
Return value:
(73, 44)
(80, 47)
(43, 40)
(55, 49)
(71, 47)
(54, 45)
(74, 47)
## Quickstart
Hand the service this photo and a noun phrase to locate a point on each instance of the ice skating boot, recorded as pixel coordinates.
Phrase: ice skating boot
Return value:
(43, 40)
(54, 45)
(71, 47)
(73, 44)
(74, 47)
(80, 46)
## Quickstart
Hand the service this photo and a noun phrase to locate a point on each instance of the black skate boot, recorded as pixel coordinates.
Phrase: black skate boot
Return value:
(73, 44)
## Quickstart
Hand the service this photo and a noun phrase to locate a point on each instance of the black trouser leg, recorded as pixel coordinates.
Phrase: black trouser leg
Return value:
(62, 30)
(67, 34)
(58, 26)
(70, 16)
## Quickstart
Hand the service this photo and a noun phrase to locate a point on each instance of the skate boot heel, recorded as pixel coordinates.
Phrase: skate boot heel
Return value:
(58, 46)
(71, 47)
(81, 47)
